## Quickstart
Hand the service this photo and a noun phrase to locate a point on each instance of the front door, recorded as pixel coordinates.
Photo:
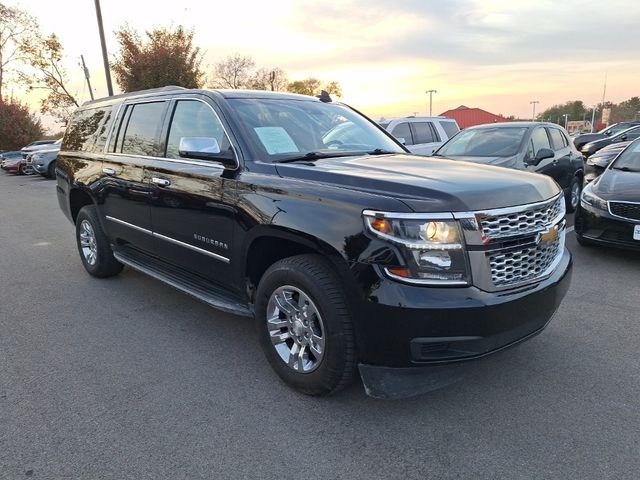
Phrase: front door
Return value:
(192, 201)
(548, 166)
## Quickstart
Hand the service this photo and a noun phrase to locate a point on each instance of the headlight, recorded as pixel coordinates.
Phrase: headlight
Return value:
(432, 247)
(591, 199)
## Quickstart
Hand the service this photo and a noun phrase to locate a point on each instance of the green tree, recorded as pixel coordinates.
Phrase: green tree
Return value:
(18, 126)
(575, 110)
(313, 86)
(15, 26)
(235, 71)
(45, 56)
(164, 57)
(627, 110)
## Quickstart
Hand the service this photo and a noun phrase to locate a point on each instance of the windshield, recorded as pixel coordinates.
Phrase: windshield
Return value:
(285, 128)
(614, 129)
(485, 142)
(629, 159)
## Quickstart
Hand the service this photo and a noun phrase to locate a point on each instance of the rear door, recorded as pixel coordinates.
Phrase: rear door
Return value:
(425, 137)
(563, 157)
(192, 201)
(125, 188)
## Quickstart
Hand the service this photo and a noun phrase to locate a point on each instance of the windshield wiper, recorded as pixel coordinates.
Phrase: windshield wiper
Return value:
(626, 169)
(314, 156)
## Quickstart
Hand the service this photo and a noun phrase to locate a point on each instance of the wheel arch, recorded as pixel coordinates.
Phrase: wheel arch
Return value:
(79, 198)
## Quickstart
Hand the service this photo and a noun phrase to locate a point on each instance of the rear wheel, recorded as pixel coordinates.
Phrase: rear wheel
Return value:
(95, 251)
(25, 169)
(304, 325)
(51, 172)
(573, 195)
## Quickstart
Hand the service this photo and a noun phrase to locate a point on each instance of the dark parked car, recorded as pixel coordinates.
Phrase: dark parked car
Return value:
(600, 160)
(581, 140)
(627, 135)
(532, 146)
(347, 252)
(609, 211)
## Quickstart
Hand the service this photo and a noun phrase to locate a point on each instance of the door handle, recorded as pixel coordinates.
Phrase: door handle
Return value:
(162, 182)
(109, 171)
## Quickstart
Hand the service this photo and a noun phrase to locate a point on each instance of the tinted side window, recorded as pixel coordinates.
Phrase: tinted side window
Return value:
(424, 133)
(633, 134)
(402, 130)
(194, 119)
(540, 139)
(141, 129)
(84, 129)
(557, 139)
(449, 128)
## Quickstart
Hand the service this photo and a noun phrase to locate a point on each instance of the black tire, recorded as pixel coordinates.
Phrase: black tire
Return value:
(105, 264)
(575, 183)
(24, 170)
(51, 171)
(316, 277)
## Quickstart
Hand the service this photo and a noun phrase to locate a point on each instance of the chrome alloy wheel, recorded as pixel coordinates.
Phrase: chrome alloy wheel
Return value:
(575, 194)
(88, 243)
(296, 329)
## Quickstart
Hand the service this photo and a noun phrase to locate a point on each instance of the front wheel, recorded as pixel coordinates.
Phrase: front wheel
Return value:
(304, 325)
(51, 172)
(573, 195)
(95, 251)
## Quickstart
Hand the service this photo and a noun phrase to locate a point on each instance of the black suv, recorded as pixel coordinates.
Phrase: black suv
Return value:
(304, 214)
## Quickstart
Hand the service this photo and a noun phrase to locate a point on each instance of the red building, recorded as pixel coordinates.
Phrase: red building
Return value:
(468, 117)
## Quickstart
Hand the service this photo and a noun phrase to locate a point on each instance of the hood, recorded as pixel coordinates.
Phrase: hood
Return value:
(427, 183)
(617, 185)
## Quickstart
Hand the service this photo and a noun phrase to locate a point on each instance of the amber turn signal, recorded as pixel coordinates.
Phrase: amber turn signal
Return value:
(381, 225)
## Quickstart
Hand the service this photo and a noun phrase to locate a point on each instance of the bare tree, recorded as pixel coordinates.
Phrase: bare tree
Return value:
(273, 79)
(233, 72)
(15, 26)
(45, 57)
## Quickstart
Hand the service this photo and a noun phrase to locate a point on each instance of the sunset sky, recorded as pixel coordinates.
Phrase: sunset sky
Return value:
(496, 55)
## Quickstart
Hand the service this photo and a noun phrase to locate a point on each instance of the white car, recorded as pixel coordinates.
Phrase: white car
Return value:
(421, 135)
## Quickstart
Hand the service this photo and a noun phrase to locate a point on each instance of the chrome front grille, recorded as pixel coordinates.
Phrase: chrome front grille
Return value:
(522, 265)
(514, 246)
(521, 222)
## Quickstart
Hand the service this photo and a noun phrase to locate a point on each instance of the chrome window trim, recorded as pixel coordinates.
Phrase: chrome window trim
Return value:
(192, 247)
(175, 160)
(169, 239)
(618, 216)
(130, 225)
(113, 126)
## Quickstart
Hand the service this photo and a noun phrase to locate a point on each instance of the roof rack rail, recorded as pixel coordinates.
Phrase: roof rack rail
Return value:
(166, 88)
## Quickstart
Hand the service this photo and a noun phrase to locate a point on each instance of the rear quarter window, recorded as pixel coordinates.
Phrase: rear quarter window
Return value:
(450, 128)
(86, 129)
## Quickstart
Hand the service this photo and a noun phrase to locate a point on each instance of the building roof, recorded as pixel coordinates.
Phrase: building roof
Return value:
(470, 116)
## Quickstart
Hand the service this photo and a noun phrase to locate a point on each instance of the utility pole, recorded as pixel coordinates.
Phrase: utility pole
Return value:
(431, 92)
(566, 118)
(86, 75)
(105, 58)
(533, 116)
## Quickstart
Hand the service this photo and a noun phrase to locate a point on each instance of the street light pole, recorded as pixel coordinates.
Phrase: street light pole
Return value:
(566, 118)
(431, 92)
(593, 117)
(105, 58)
(533, 116)
(86, 75)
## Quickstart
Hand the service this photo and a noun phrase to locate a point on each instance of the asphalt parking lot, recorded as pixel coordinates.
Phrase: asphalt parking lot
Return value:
(128, 378)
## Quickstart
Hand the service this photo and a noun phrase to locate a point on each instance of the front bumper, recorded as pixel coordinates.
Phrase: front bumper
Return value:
(410, 326)
(598, 226)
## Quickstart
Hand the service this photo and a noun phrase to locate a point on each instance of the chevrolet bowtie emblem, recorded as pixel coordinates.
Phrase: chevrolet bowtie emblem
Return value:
(549, 237)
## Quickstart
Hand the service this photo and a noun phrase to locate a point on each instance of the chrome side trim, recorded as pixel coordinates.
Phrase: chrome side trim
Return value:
(130, 225)
(175, 160)
(169, 239)
(192, 247)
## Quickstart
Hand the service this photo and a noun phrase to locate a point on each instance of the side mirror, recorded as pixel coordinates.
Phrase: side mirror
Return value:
(624, 137)
(542, 154)
(402, 141)
(608, 133)
(206, 148)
